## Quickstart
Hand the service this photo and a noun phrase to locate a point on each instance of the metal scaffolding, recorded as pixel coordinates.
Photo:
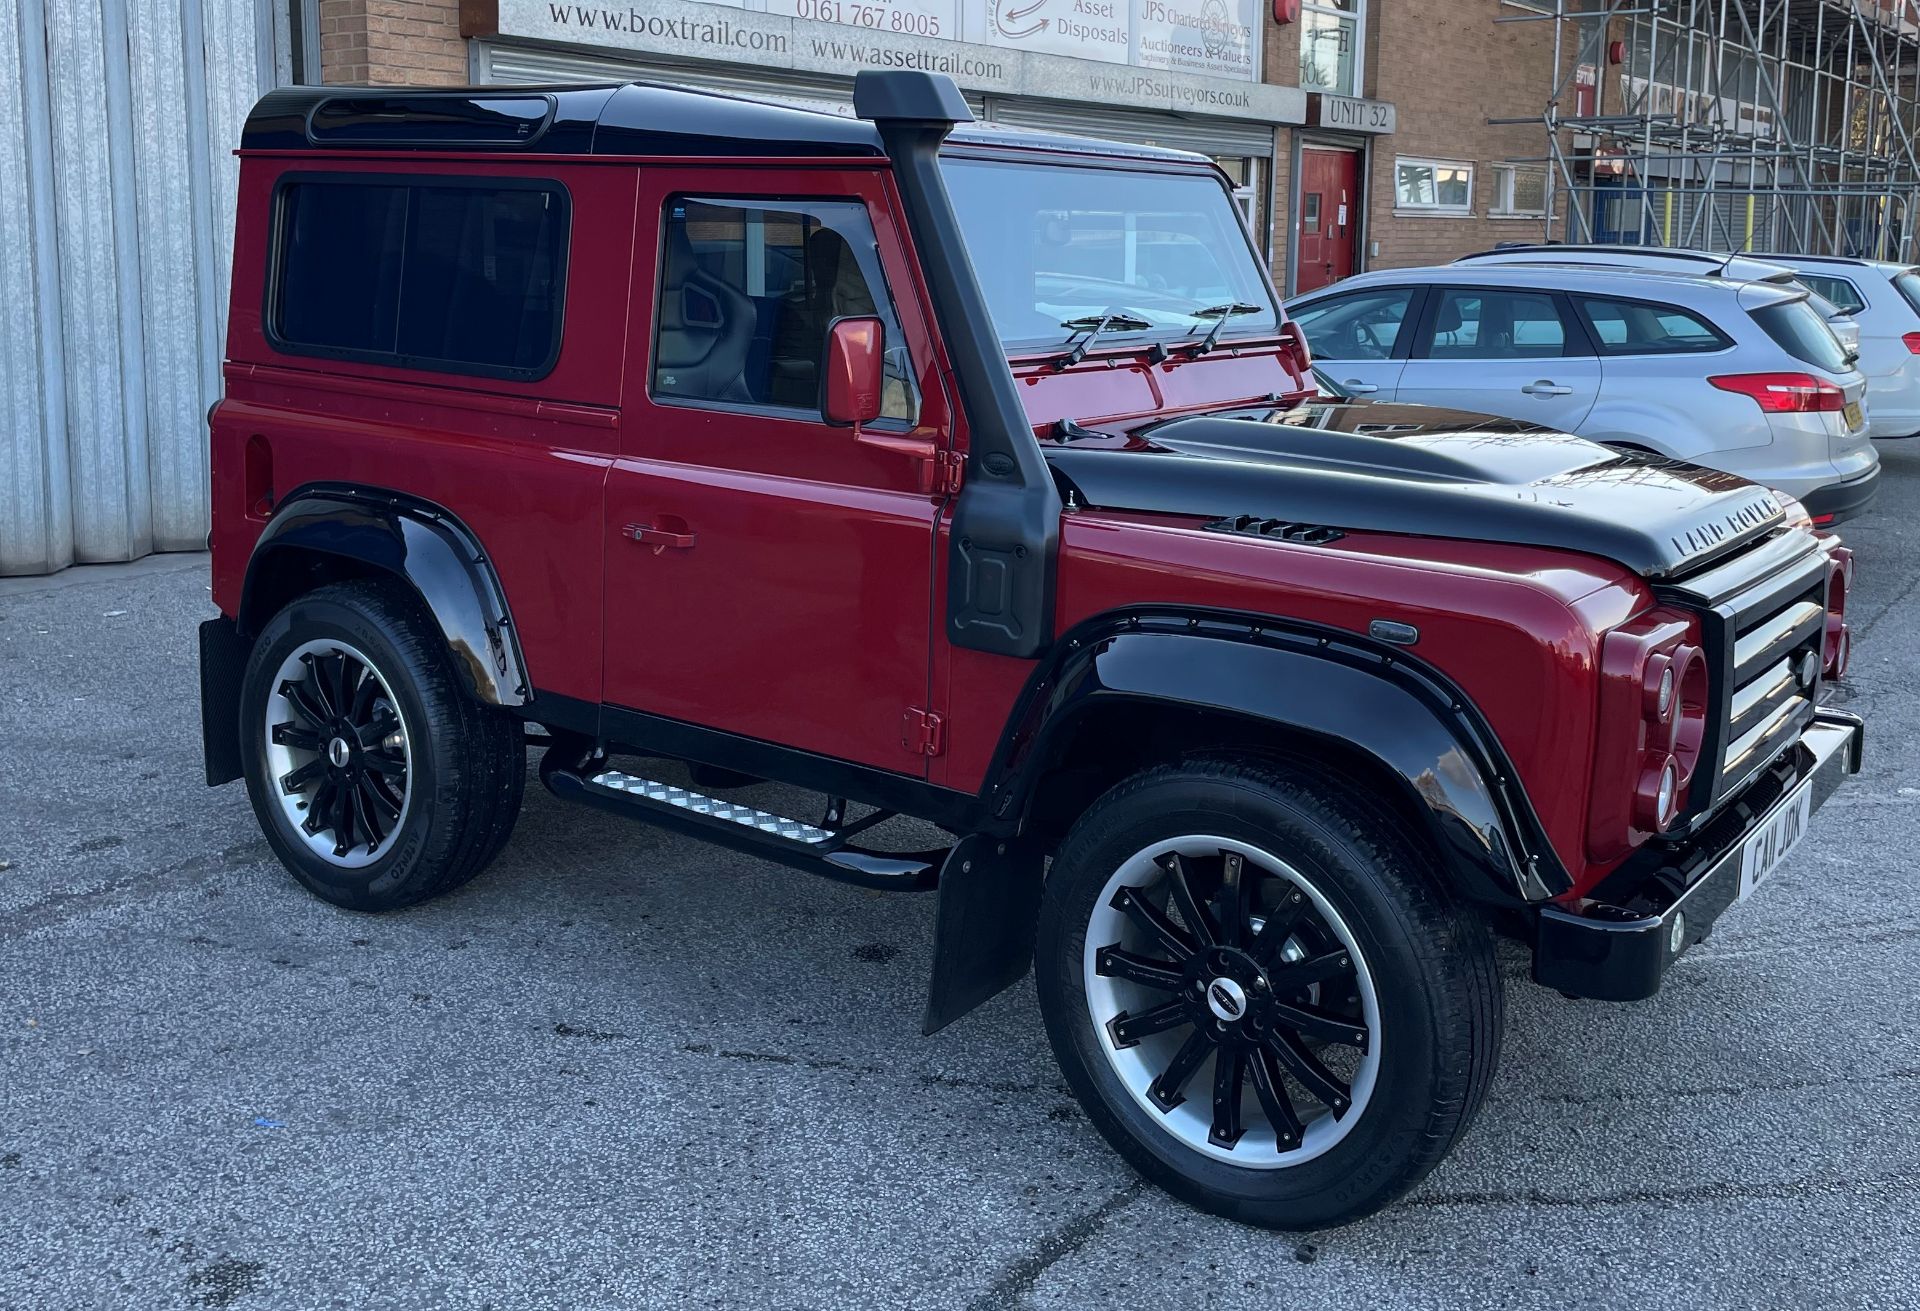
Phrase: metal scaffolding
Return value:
(1784, 125)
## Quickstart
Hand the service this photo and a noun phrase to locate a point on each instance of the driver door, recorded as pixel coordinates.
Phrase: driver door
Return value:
(1359, 338)
(769, 574)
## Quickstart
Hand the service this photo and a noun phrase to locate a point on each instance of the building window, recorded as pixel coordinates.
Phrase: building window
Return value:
(448, 278)
(1518, 191)
(1330, 35)
(1432, 186)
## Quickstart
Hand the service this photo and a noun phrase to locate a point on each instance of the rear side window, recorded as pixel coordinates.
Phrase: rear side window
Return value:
(1363, 325)
(1477, 324)
(1799, 330)
(1843, 295)
(1908, 285)
(1630, 327)
(444, 277)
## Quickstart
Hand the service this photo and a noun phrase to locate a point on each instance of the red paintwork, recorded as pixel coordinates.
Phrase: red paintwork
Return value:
(1514, 626)
(791, 585)
(522, 464)
(802, 615)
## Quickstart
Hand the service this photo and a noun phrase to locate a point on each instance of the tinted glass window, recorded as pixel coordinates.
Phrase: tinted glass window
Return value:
(1496, 325)
(450, 278)
(1839, 291)
(482, 277)
(340, 266)
(1056, 245)
(748, 291)
(1625, 327)
(1359, 326)
(1908, 284)
(1803, 334)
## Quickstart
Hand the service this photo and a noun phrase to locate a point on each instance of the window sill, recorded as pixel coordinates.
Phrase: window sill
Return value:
(1434, 213)
(1502, 216)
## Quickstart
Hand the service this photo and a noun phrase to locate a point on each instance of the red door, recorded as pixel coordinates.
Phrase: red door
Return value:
(769, 574)
(1329, 211)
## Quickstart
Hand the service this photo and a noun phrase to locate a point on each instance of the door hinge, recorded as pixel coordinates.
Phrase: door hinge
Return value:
(949, 471)
(920, 732)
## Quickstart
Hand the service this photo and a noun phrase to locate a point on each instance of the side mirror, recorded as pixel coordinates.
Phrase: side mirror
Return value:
(854, 372)
(1293, 342)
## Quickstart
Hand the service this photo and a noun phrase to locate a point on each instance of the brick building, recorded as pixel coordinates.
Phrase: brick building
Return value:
(1399, 163)
(1359, 128)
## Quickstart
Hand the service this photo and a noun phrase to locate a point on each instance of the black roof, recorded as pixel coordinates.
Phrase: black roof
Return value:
(621, 118)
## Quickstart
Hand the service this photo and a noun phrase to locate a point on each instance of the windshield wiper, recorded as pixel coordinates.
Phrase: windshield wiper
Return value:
(1219, 314)
(1118, 320)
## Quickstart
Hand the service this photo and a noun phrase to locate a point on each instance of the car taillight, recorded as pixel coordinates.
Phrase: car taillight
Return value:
(1836, 645)
(1653, 724)
(1784, 393)
(1912, 340)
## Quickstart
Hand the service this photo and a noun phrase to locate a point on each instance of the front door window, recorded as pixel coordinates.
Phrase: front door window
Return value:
(748, 292)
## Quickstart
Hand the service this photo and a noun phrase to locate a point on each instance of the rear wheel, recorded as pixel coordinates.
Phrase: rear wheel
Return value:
(1262, 993)
(375, 778)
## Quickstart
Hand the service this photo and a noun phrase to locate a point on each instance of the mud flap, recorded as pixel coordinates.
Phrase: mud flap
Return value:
(223, 660)
(983, 927)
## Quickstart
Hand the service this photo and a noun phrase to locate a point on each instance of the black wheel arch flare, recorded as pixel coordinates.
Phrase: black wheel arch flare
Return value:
(1311, 683)
(422, 544)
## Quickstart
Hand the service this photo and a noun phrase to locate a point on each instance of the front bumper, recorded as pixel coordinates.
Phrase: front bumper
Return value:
(1619, 949)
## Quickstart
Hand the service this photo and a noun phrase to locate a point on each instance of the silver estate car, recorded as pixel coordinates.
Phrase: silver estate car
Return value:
(1741, 376)
(1674, 259)
(1884, 299)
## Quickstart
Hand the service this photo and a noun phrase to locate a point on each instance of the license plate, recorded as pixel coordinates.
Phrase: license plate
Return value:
(1853, 415)
(1769, 844)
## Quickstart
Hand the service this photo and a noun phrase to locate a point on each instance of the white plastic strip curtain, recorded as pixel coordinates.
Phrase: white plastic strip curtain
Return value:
(118, 120)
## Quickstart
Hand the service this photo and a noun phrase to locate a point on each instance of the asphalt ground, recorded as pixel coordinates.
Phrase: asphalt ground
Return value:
(625, 1069)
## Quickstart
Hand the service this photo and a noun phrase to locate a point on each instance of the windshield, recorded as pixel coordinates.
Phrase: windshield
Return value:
(1825, 308)
(1835, 290)
(1055, 245)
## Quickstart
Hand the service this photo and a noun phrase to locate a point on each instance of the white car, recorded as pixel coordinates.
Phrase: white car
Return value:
(1668, 259)
(1884, 299)
(1740, 376)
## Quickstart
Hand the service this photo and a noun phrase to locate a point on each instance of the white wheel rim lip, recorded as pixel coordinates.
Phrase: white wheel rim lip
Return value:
(283, 760)
(1137, 1066)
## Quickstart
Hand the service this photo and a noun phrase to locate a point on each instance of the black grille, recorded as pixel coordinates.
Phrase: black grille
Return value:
(1765, 611)
(1248, 525)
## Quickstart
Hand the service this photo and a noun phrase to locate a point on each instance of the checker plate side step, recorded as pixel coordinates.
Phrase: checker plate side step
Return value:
(812, 847)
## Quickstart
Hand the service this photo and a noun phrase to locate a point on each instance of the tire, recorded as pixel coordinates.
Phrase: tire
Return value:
(1383, 994)
(410, 785)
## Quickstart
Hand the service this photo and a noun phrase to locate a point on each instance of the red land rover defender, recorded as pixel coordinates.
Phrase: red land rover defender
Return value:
(976, 476)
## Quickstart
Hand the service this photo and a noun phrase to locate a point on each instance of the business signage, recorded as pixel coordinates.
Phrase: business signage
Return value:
(1195, 56)
(1349, 113)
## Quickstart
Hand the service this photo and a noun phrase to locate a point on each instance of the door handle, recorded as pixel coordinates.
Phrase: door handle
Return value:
(658, 538)
(1359, 388)
(1546, 387)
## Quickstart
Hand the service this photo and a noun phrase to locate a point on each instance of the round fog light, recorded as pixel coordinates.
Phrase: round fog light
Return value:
(1677, 935)
(1664, 707)
(1669, 789)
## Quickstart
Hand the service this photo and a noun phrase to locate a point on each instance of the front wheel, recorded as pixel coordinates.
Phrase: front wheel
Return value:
(377, 780)
(1262, 993)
